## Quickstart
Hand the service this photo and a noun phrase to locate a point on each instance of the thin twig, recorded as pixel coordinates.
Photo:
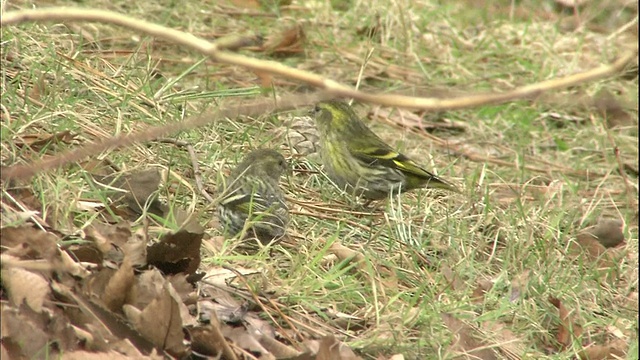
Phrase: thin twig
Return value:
(197, 175)
(233, 110)
(330, 86)
(623, 28)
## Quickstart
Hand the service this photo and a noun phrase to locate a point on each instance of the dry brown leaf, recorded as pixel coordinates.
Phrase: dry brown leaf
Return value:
(205, 341)
(303, 356)
(226, 309)
(183, 288)
(108, 239)
(311, 347)
(220, 277)
(72, 267)
(136, 249)
(87, 252)
(505, 340)
(332, 349)
(452, 278)
(185, 315)
(344, 253)
(567, 328)
(185, 219)
(31, 335)
(28, 242)
(466, 343)
(277, 349)
(608, 232)
(118, 288)
(148, 287)
(39, 141)
(132, 313)
(393, 324)
(26, 196)
(89, 355)
(589, 246)
(616, 349)
(214, 244)
(612, 110)
(176, 252)
(288, 42)
(593, 248)
(255, 325)
(161, 322)
(125, 346)
(106, 234)
(102, 167)
(86, 338)
(23, 333)
(110, 332)
(482, 286)
(266, 79)
(241, 338)
(23, 285)
(95, 284)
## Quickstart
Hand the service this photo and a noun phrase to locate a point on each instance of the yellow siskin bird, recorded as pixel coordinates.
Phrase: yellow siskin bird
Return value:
(357, 160)
(251, 194)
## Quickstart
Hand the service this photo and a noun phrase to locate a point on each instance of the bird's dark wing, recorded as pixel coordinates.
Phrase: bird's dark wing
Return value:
(383, 155)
